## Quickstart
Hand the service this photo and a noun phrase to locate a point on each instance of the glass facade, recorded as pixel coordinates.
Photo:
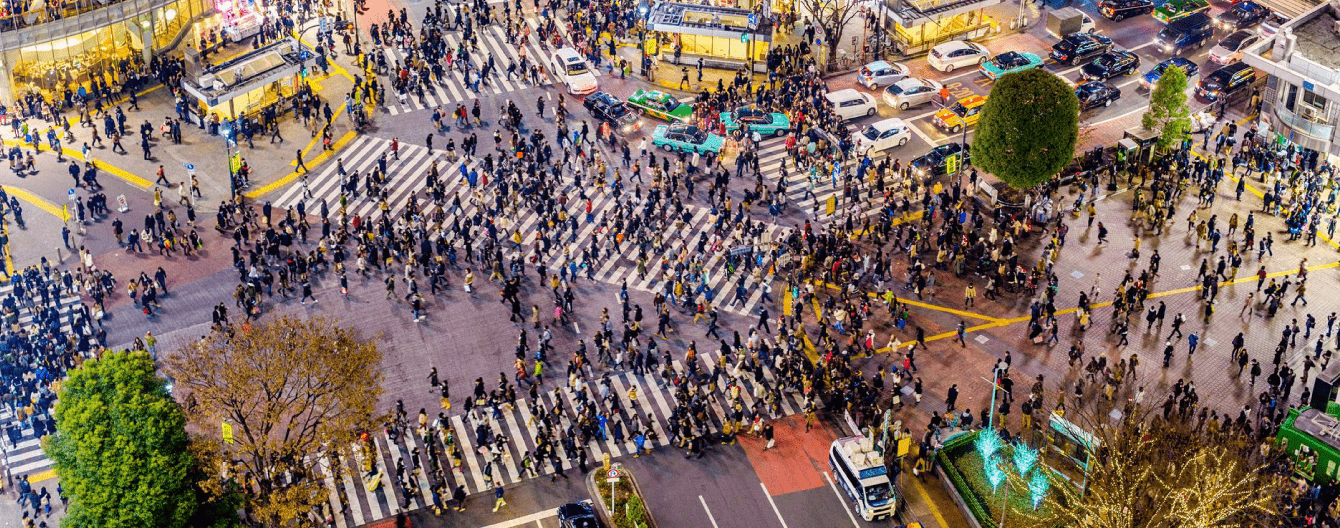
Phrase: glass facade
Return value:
(68, 54)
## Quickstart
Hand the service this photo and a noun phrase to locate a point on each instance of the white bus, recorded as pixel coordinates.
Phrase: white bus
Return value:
(859, 470)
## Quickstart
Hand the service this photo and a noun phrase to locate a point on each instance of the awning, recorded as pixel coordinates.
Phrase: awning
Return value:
(915, 14)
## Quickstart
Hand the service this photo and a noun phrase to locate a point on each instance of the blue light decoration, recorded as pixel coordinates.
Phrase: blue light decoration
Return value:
(987, 443)
(1037, 488)
(1025, 458)
(995, 472)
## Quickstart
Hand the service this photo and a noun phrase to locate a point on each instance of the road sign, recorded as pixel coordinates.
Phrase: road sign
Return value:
(121, 204)
(71, 195)
(612, 476)
(189, 166)
(753, 19)
(744, 37)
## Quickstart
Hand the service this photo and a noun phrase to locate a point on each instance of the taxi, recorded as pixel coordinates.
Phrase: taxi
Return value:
(963, 114)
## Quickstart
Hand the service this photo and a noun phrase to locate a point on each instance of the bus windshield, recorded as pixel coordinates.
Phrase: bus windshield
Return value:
(878, 494)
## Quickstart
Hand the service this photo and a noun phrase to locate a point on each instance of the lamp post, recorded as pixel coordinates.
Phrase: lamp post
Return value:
(995, 384)
(644, 12)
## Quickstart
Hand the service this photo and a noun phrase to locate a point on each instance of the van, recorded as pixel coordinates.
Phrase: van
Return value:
(1191, 31)
(859, 470)
(851, 104)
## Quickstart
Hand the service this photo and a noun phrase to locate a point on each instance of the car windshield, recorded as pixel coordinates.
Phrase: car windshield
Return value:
(869, 132)
(1106, 61)
(959, 109)
(878, 493)
(865, 70)
(1089, 90)
(1010, 60)
(669, 102)
(577, 68)
(618, 110)
(896, 89)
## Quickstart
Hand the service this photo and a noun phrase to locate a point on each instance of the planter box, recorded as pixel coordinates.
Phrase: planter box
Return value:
(599, 488)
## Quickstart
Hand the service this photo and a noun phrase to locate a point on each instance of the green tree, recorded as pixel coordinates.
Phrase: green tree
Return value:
(293, 392)
(121, 449)
(1028, 129)
(1168, 113)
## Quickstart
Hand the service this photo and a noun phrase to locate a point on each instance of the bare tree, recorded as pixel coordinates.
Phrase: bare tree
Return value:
(830, 18)
(292, 392)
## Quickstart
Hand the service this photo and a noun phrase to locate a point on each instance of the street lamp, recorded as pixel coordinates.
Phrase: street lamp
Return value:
(644, 13)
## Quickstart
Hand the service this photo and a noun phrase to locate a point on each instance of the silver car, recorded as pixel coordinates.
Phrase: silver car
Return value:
(911, 92)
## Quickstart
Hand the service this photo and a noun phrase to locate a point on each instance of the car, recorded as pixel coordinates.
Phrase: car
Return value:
(1114, 63)
(1230, 49)
(1152, 76)
(963, 114)
(1189, 32)
(911, 92)
(956, 54)
(1225, 82)
(1094, 94)
(764, 123)
(1009, 62)
(851, 104)
(1175, 9)
(1079, 47)
(881, 73)
(1116, 10)
(578, 515)
(935, 162)
(1243, 15)
(573, 71)
(660, 105)
(686, 138)
(882, 135)
(1272, 24)
(608, 108)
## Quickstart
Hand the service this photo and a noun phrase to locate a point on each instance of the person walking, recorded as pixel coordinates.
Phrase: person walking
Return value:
(498, 496)
(300, 163)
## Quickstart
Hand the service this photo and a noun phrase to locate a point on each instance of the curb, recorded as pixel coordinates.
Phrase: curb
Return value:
(602, 510)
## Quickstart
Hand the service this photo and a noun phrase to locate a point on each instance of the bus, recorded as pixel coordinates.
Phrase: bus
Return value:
(859, 470)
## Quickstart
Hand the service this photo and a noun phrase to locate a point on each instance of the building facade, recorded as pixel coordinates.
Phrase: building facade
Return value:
(66, 46)
(1301, 99)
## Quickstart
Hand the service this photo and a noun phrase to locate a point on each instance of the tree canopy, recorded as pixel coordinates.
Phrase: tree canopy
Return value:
(1168, 113)
(291, 391)
(1028, 128)
(121, 450)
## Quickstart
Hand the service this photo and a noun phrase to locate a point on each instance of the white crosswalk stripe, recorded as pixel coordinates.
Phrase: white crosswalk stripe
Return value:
(22, 448)
(455, 86)
(654, 404)
(773, 158)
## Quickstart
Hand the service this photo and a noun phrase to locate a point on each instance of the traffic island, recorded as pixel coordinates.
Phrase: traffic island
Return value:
(992, 480)
(617, 484)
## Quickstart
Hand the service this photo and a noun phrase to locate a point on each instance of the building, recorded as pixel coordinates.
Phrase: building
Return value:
(65, 45)
(916, 26)
(724, 37)
(1301, 98)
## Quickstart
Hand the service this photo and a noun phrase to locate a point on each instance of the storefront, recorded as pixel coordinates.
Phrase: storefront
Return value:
(685, 32)
(916, 27)
(71, 52)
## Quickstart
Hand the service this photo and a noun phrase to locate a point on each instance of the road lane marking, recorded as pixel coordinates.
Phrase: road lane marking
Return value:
(709, 512)
(926, 499)
(534, 517)
(842, 499)
(774, 505)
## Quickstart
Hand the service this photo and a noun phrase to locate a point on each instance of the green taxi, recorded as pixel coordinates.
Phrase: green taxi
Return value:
(1175, 9)
(764, 123)
(686, 138)
(660, 105)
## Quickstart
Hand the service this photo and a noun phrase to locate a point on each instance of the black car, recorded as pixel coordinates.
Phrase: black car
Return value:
(1095, 94)
(578, 515)
(1112, 64)
(1243, 15)
(1078, 47)
(1116, 10)
(1225, 82)
(933, 163)
(606, 107)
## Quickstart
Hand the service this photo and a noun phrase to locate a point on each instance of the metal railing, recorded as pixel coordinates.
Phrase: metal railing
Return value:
(54, 10)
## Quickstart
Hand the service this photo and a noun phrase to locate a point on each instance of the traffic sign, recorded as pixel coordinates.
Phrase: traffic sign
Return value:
(744, 37)
(189, 166)
(71, 195)
(951, 163)
(753, 19)
(612, 476)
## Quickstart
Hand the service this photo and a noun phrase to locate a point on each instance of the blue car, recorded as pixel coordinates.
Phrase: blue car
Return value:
(686, 138)
(1150, 79)
(1009, 62)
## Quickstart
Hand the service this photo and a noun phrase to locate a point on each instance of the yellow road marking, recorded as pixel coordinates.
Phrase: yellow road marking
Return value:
(321, 158)
(925, 499)
(42, 475)
(38, 201)
(75, 154)
(928, 306)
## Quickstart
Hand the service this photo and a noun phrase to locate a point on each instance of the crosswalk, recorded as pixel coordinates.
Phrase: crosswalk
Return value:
(354, 504)
(23, 454)
(455, 87)
(721, 278)
(772, 156)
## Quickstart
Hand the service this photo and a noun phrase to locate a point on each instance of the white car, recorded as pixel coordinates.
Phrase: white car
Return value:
(883, 135)
(955, 54)
(573, 71)
(851, 104)
(1230, 50)
(881, 73)
(911, 92)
